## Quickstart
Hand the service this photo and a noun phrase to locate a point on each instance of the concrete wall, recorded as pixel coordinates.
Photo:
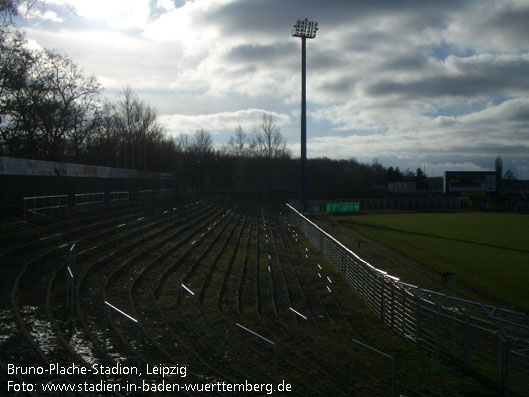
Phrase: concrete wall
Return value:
(21, 178)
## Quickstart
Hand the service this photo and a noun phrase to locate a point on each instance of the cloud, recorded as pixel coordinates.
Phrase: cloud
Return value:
(167, 5)
(262, 54)
(217, 122)
(491, 25)
(410, 81)
(185, 25)
(275, 17)
(118, 14)
(118, 58)
(39, 13)
(473, 138)
(463, 77)
(337, 86)
(33, 45)
(406, 62)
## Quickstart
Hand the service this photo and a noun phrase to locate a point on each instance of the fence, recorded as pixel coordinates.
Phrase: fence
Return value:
(45, 204)
(156, 194)
(145, 195)
(89, 200)
(432, 204)
(51, 205)
(521, 207)
(119, 197)
(164, 193)
(386, 356)
(491, 341)
(343, 207)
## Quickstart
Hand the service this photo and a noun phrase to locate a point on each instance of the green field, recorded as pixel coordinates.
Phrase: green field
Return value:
(487, 251)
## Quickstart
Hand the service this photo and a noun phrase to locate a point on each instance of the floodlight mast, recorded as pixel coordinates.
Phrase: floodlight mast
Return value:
(306, 30)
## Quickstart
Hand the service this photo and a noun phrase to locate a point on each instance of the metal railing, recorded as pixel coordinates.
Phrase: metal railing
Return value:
(50, 205)
(119, 198)
(89, 200)
(386, 356)
(452, 328)
(521, 207)
(145, 195)
(45, 204)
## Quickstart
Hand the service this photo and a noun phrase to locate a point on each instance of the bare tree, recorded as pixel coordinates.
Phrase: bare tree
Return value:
(16, 62)
(67, 103)
(102, 142)
(137, 128)
(9, 9)
(238, 143)
(183, 143)
(202, 142)
(267, 140)
(49, 106)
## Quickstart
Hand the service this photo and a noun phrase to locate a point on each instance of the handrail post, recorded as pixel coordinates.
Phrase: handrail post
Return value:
(391, 358)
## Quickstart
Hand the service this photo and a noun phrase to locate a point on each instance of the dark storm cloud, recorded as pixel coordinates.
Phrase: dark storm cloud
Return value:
(512, 23)
(405, 62)
(366, 41)
(284, 53)
(261, 53)
(473, 77)
(321, 58)
(519, 114)
(338, 86)
(491, 150)
(433, 87)
(268, 16)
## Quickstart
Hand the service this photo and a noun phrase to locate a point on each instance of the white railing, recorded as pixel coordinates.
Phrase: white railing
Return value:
(89, 200)
(49, 205)
(144, 195)
(119, 197)
(449, 327)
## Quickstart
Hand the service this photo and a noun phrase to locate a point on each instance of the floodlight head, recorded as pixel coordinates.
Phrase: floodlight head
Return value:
(305, 28)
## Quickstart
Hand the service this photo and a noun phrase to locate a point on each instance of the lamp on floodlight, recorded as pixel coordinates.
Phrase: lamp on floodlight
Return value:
(306, 30)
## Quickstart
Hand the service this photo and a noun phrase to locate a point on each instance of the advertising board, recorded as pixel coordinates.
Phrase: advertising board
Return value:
(470, 181)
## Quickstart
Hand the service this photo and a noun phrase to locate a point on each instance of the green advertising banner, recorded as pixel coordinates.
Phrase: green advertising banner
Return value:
(343, 207)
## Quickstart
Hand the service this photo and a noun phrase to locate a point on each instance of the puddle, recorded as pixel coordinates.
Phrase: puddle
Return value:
(40, 329)
(8, 326)
(83, 347)
(112, 354)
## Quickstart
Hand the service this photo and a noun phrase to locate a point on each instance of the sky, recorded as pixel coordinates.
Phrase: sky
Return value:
(440, 85)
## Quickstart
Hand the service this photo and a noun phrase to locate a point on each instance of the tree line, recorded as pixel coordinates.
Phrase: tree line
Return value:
(51, 111)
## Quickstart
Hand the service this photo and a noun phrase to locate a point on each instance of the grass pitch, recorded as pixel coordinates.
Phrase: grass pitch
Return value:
(487, 251)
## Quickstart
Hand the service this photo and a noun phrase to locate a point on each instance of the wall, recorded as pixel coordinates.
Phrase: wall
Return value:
(21, 178)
